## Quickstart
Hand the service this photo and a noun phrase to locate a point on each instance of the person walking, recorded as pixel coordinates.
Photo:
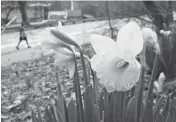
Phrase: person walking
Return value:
(22, 37)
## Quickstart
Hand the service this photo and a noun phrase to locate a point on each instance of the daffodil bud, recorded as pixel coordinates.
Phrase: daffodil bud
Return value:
(64, 37)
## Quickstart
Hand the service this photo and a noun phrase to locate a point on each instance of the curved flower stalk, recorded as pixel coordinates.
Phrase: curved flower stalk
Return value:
(70, 40)
(115, 62)
(64, 53)
(52, 42)
(63, 46)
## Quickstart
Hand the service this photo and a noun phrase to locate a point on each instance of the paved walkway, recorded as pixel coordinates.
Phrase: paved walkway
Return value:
(81, 32)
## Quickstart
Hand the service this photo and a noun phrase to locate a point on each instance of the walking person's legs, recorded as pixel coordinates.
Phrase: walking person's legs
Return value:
(27, 42)
(17, 47)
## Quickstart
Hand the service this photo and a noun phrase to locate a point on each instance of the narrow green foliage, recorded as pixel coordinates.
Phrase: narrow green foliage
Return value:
(173, 114)
(173, 102)
(89, 104)
(79, 104)
(96, 114)
(39, 115)
(59, 101)
(159, 118)
(129, 110)
(157, 107)
(72, 111)
(34, 118)
(95, 83)
(165, 107)
(168, 119)
(148, 113)
(84, 68)
(140, 95)
(127, 100)
(151, 84)
(49, 115)
(56, 114)
(110, 116)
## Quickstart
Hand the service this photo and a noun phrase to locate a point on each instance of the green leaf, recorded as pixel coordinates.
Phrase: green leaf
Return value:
(49, 115)
(51, 109)
(127, 100)
(34, 118)
(173, 102)
(56, 114)
(80, 112)
(59, 101)
(151, 84)
(168, 117)
(121, 106)
(159, 118)
(110, 116)
(72, 112)
(96, 114)
(173, 114)
(140, 95)
(89, 104)
(39, 115)
(148, 113)
(66, 111)
(166, 107)
(157, 107)
(129, 111)
(102, 106)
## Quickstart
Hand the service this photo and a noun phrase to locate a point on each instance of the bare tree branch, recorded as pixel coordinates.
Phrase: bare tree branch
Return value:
(109, 19)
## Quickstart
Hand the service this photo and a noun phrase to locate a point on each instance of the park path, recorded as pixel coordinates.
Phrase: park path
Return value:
(80, 32)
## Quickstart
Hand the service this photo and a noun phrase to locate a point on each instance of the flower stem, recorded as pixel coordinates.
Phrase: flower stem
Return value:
(80, 115)
(84, 67)
(151, 84)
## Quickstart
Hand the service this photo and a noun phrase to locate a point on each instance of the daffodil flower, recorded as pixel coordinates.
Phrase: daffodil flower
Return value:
(158, 85)
(150, 38)
(114, 62)
(64, 53)
(52, 42)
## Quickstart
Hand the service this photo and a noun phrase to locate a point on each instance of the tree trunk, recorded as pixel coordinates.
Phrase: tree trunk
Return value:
(22, 7)
(158, 19)
(45, 9)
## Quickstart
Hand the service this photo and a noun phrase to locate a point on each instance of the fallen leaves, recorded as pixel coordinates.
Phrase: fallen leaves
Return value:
(24, 85)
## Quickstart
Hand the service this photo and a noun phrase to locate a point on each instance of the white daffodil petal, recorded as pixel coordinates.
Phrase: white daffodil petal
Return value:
(102, 44)
(71, 69)
(150, 38)
(110, 89)
(149, 34)
(95, 61)
(130, 38)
